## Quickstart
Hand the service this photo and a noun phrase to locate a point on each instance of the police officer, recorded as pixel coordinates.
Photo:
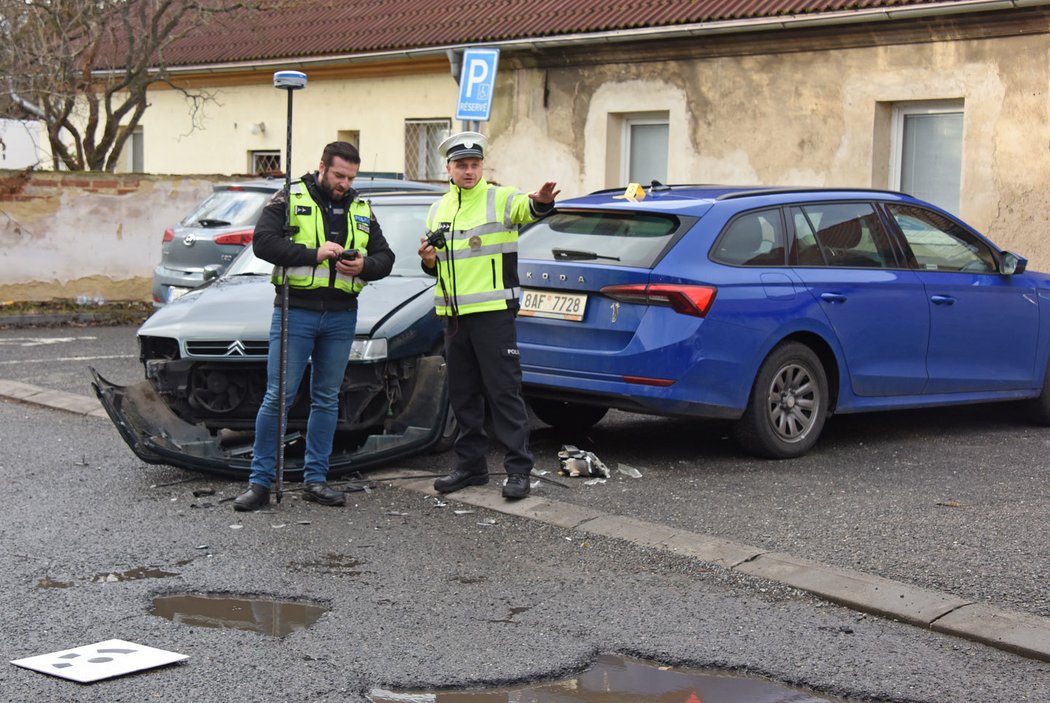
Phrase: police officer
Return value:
(477, 297)
(327, 220)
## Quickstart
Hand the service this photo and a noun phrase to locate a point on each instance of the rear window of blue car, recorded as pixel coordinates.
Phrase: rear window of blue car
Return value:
(611, 238)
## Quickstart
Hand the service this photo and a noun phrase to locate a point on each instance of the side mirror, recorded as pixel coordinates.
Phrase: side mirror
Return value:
(211, 272)
(1011, 263)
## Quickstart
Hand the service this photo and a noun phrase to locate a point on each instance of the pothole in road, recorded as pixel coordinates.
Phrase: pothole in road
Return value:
(613, 678)
(268, 616)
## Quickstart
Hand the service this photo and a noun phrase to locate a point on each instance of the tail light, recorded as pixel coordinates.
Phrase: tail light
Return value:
(243, 238)
(683, 299)
(169, 234)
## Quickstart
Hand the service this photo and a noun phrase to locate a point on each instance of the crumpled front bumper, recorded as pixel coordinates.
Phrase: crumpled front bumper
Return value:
(157, 436)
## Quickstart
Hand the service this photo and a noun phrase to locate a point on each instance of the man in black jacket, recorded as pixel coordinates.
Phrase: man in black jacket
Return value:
(329, 245)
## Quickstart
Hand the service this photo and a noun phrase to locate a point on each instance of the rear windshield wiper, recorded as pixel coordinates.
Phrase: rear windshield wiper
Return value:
(212, 223)
(566, 254)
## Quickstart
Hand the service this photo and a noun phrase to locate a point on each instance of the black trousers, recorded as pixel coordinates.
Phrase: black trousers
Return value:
(484, 370)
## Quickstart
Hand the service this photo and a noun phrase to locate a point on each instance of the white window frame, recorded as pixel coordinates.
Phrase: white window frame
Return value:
(630, 121)
(900, 112)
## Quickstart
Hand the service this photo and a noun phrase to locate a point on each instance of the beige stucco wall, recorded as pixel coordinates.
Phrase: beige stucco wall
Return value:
(375, 107)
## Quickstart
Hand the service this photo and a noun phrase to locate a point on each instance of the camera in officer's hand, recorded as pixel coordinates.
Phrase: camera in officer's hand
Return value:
(436, 238)
(348, 255)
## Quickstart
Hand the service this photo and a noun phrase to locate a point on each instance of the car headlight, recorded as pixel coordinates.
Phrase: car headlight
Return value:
(368, 350)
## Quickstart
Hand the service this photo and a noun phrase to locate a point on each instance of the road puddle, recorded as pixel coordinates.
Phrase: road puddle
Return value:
(613, 679)
(267, 616)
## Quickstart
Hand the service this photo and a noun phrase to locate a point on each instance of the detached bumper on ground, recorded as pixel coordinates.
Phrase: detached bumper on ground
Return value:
(158, 436)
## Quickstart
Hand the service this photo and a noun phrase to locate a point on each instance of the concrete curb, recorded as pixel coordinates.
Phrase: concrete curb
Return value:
(1020, 633)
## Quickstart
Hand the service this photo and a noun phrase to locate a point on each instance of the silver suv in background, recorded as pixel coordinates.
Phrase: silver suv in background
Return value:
(203, 244)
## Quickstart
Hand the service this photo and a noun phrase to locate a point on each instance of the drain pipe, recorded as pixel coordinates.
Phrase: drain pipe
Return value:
(23, 103)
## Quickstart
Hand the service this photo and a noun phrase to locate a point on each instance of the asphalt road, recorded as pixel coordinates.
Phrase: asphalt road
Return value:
(421, 596)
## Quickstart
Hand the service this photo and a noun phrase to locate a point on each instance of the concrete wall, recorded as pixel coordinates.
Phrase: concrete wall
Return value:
(64, 235)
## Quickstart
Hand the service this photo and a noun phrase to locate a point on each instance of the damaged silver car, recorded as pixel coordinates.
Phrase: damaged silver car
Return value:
(204, 357)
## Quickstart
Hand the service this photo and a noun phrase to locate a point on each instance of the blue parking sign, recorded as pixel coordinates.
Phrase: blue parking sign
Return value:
(477, 79)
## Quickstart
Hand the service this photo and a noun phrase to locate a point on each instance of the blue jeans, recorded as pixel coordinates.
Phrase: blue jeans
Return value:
(326, 338)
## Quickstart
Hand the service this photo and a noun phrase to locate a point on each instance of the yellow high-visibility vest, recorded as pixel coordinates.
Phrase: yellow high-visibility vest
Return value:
(484, 224)
(307, 223)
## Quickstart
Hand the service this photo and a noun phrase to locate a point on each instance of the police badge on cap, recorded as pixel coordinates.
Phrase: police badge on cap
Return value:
(464, 145)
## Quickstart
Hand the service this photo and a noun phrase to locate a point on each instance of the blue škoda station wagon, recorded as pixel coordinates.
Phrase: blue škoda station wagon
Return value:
(773, 307)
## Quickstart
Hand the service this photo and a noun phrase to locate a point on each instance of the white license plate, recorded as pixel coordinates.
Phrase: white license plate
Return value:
(176, 292)
(558, 306)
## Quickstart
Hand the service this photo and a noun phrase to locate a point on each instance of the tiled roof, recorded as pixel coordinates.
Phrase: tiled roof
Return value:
(320, 28)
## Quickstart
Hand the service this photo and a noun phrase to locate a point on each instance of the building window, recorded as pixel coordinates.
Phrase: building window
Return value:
(350, 136)
(926, 151)
(136, 157)
(644, 149)
(264, 163)
(422, 137)
(132, 159)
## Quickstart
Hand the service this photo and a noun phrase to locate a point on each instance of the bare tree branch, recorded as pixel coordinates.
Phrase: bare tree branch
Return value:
(84, 67)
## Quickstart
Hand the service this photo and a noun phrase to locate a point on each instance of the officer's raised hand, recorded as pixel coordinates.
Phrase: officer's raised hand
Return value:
(546, 193)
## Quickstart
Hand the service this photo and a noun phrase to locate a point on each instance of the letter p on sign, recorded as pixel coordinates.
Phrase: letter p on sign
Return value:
(476, 83)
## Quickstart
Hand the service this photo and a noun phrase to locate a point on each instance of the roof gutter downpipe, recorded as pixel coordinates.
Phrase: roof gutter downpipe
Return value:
(25, 104)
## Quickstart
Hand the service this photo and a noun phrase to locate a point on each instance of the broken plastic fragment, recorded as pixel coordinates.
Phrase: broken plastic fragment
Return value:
(629, 470)
(577, 462)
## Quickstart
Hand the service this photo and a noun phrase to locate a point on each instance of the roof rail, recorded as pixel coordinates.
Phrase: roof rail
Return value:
(777, 190)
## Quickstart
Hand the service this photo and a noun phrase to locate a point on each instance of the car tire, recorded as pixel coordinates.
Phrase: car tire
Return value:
(569, 417)
(449, 432)
(1039, 407)
(788, 404)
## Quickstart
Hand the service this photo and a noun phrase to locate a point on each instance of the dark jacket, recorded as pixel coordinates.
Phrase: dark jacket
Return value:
(272, 243)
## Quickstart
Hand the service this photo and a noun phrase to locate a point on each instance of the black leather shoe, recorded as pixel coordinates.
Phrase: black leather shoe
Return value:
(321, 493)
(460, 478)
(517, 486)
(252, 499)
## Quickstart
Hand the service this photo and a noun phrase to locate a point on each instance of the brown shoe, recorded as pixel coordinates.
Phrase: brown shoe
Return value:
(254, 498)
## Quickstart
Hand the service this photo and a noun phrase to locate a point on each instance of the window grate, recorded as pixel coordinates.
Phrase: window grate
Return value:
(422, 137)
(265, 163)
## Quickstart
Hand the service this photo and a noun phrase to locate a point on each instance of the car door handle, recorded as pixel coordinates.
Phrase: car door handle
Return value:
(942, 300)
(833, 297)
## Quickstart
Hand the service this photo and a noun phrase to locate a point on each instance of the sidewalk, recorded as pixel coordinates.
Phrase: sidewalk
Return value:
(1020, 633)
